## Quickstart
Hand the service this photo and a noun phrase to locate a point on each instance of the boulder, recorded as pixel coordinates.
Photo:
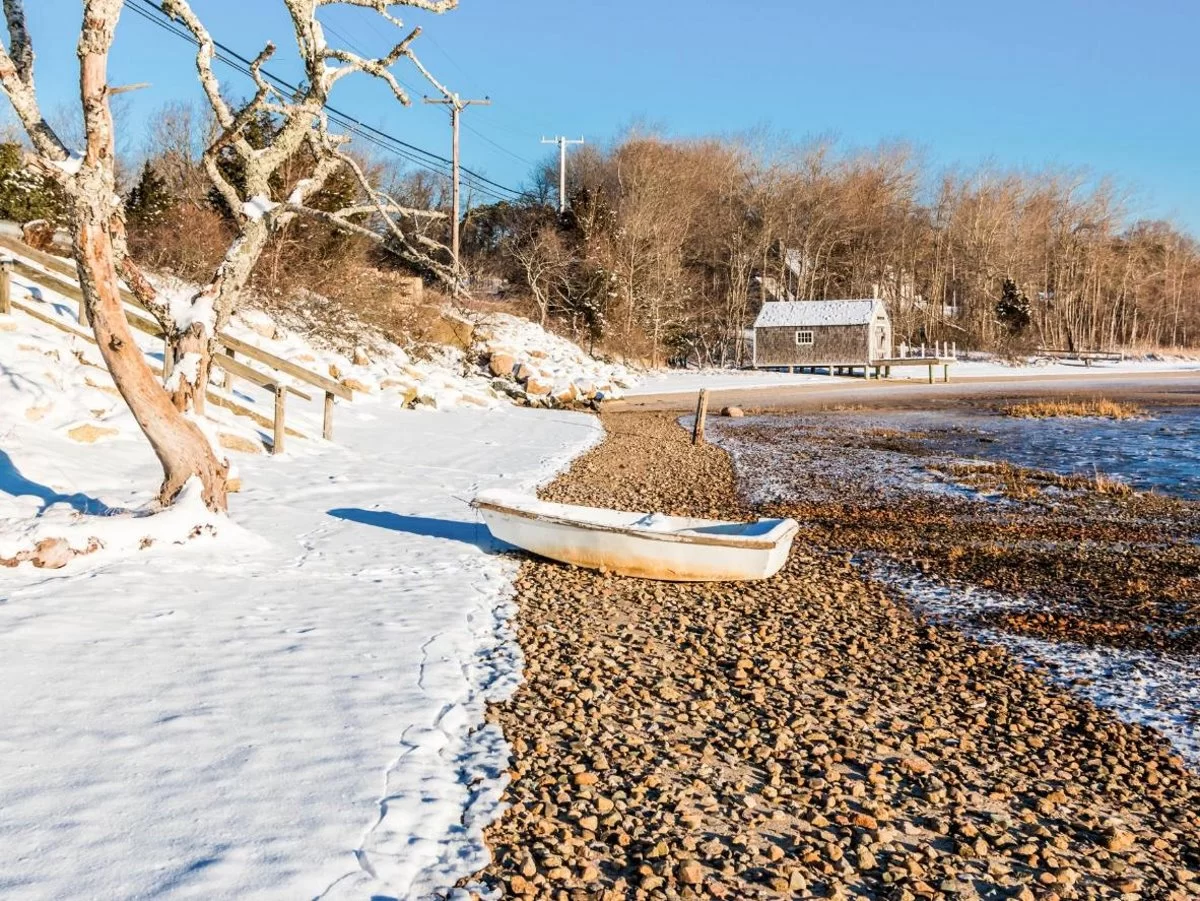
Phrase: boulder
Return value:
(537, 387)
(239, 443)
(565, 394)
(406, 390)
(90, 434)
(356, 385)
(52, 553)
(502, 364)
(361, 358)
(38, 234)
(733, 412)
(523, 372)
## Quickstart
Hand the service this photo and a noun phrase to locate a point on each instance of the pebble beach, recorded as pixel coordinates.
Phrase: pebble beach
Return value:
(808, 736)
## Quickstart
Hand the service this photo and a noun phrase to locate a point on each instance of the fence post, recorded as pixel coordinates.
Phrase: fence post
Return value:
(6, 268)
(229, 375)
(327, 423)
(280, 426)
(701, 415)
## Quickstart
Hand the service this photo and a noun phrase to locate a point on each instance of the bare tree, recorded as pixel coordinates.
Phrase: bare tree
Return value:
(88, 181)
(300, 125)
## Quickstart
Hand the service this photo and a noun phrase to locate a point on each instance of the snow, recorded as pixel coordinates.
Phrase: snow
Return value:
(72, 164)
(689, 381)
(998, 369)
(815, 312)
(551, 359)
(290, 704)
(258, 206)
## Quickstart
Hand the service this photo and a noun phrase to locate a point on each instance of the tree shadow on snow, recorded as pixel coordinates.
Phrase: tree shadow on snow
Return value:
(16, 485)
(472, 533)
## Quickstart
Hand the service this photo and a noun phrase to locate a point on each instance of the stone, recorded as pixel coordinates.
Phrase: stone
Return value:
(38, 234)
(37, 414)
(52, 553)
(239, 443)
(690, 873)
(523, 372)
(537, 387)
(89, 433)
(733, 412)
(356, 385)
(1120, 841)
(565, 393)
(502, 364)
(361, 358)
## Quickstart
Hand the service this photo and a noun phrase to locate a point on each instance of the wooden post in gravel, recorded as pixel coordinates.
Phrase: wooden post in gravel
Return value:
(701, 415)
(280, 428)
(6, 268)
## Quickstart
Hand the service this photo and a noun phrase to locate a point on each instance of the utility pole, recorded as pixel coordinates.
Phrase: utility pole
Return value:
(562, 168)
(457, 105)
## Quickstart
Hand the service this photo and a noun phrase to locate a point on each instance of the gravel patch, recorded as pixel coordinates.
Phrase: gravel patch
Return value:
(808, 736)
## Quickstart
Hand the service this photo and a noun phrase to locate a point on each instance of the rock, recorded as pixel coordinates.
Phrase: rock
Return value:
(37, 414)
(52, 553)
(502, 364)
(405, 390)
(355, 385)
(233, 486)
(1120, 841)
(690, 873)
(523, 372)
(239, 443)
(564, 393)
(733, 412)
(90, 434)
(537, 387)
(38, 234)
(361, 358)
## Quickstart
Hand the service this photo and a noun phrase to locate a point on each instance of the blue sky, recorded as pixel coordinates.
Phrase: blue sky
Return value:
(1106, 86)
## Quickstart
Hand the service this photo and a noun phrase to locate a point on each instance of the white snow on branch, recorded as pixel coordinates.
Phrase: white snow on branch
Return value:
(258, 206)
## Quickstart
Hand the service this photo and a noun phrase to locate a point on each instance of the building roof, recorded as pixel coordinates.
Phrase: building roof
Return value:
(807, 313)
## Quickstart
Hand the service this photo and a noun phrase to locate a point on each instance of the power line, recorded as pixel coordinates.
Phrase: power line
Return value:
(410, 152)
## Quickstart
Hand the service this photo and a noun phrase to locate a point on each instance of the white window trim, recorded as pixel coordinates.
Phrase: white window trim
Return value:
(805, 337)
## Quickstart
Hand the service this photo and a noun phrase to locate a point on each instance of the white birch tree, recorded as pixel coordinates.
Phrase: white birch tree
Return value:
(96, 225)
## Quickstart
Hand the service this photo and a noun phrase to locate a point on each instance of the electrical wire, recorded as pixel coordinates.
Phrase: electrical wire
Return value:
(418, 156)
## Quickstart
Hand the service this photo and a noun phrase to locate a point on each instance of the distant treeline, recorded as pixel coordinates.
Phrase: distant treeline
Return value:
(671, 245)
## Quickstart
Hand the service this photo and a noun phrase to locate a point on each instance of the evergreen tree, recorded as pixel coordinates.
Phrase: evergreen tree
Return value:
(26, 195)
(149, 200)
(1013, 308)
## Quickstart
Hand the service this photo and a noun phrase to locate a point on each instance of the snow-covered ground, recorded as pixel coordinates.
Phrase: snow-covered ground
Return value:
(292, 707)
(995, 369)
(689, 381)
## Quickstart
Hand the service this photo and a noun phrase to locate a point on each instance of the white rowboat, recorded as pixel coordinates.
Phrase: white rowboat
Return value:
(650, 546)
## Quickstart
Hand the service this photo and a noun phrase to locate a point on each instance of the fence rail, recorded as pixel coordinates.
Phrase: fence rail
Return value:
(54, 274)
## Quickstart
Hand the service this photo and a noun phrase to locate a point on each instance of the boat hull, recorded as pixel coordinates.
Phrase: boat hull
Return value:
(648, 556)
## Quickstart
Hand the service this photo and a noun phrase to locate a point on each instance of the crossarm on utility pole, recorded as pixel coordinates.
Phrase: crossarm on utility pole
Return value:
(562, 167)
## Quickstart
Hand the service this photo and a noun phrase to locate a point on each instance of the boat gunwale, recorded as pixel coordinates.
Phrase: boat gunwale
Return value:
(733, 542)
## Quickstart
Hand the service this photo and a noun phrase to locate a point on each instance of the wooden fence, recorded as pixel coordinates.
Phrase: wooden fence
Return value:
(54, 274)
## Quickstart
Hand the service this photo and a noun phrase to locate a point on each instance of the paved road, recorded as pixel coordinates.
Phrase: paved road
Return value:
(1150, 388)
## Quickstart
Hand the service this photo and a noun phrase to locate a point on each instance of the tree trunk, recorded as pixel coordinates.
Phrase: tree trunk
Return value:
(179, 444)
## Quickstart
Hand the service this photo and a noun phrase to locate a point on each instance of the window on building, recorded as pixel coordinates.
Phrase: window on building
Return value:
(804, 338)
